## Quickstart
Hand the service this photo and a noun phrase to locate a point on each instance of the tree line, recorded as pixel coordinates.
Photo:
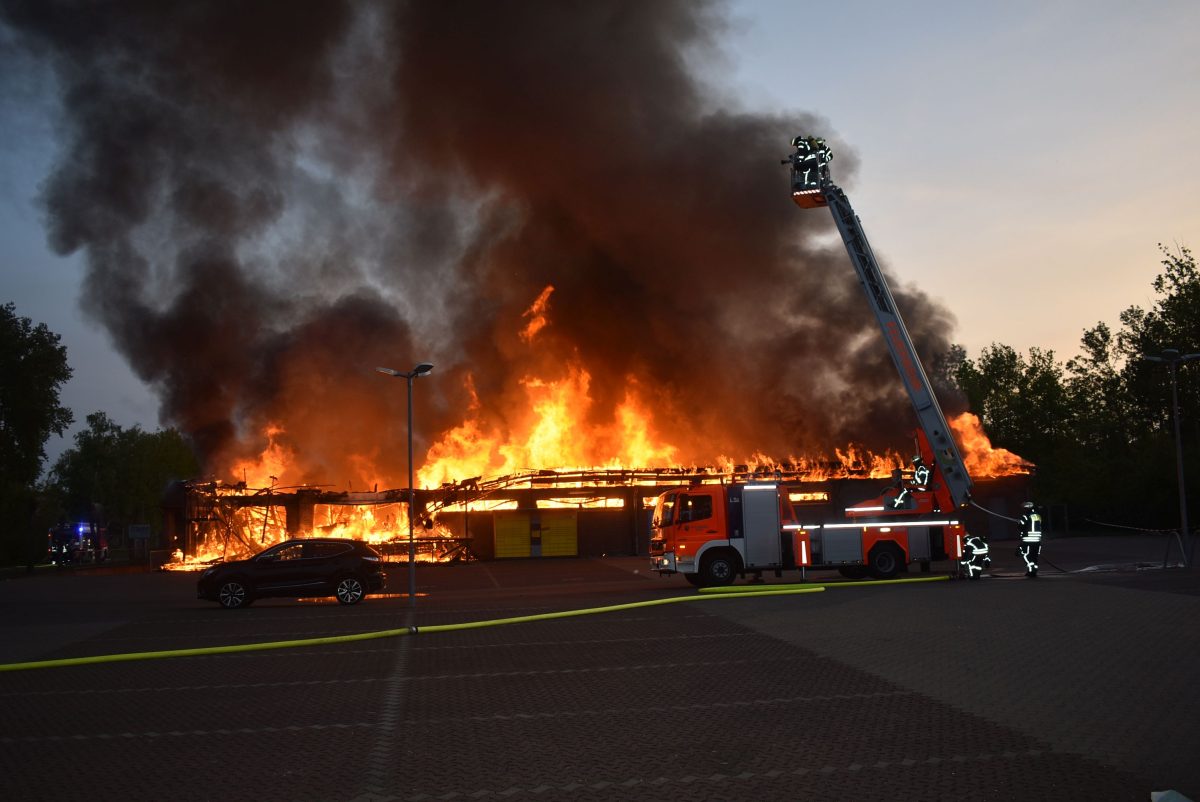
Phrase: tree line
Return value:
(1099, 427)
(112, 476)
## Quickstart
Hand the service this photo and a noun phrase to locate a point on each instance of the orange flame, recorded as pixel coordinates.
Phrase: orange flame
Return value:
(553, 433)
(271, 464)
(557, 428)
(981, 458)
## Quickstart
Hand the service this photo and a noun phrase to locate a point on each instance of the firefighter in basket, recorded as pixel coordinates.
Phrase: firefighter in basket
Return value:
(1030, 527)
(975, 556)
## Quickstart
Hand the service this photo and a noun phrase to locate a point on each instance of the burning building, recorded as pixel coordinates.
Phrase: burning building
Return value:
(543, 513)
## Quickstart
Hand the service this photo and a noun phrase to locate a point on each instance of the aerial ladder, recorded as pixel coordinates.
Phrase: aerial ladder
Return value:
(812, 188)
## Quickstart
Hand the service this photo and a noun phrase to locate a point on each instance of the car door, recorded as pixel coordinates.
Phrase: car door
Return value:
(280, 570)
(327, 561)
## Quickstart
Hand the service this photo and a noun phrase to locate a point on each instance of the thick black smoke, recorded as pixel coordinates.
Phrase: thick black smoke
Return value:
(273, 198)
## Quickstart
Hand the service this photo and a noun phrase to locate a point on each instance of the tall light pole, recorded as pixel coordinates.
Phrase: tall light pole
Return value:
(422, 369)
(1172, 357)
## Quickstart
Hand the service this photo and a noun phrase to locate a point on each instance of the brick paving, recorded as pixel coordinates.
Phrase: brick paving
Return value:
(1075, 686)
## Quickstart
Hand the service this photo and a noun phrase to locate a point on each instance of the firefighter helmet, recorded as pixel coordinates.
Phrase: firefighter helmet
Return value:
(1028, 505)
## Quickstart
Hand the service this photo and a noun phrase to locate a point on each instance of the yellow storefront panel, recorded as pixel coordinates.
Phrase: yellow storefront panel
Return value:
(560, 533)
(512, 534)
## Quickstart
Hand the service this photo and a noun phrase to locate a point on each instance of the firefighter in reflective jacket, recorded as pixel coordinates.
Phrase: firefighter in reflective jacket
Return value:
(920, 473)
(1030, 526)
(975, 556)
(920, 481)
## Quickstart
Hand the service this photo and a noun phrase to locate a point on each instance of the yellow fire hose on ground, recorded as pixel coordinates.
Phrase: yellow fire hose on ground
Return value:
(706, 594)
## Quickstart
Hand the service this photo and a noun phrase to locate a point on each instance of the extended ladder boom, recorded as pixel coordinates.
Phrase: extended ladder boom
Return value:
(813, 188)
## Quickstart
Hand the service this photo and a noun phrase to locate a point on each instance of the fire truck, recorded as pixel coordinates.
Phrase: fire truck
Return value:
(713, 533)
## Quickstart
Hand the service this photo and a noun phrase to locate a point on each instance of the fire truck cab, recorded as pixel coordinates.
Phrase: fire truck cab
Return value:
(712, 533)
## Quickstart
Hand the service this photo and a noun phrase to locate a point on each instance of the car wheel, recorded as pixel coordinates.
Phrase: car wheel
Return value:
(350, 590)
(233, 594)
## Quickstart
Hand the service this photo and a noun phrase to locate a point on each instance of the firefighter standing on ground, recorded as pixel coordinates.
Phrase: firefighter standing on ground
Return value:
(975, 556)
(1030, 526)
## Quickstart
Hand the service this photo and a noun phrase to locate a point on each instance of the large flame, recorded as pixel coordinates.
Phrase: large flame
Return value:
(981, 458)
(557, 428)
(552, 432)
(270, 465)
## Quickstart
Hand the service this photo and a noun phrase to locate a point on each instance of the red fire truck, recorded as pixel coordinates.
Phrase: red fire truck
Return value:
(712, 533)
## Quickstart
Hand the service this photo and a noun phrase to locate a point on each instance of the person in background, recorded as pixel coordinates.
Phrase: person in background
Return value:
(1030, 527)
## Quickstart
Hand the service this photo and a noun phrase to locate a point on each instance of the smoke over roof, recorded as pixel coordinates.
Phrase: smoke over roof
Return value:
(273, 199)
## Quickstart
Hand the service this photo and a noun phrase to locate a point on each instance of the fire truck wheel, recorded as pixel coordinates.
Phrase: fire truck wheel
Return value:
(350, 590)
(885, 560)
(694, 579)
(718, 569)
(233, 594)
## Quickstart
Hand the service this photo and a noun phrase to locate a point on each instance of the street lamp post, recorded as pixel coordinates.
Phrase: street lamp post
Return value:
(422, 369)
(1172, 357)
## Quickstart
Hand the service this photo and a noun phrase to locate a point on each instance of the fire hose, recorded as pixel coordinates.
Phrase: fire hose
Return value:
(777, 590)
(991, 512)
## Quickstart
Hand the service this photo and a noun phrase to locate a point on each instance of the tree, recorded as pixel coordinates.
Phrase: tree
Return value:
(33, 367)
(1021, 402)
(123, 472)
(1100, 430)
(1172, 322)
(1105, 436)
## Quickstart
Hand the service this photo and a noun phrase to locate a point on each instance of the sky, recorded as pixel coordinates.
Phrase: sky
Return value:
(1019, 162)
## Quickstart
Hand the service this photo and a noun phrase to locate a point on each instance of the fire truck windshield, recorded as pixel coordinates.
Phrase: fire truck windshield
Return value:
(664, 510)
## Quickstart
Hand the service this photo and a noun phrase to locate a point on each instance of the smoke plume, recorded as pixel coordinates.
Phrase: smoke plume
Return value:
(274, 198)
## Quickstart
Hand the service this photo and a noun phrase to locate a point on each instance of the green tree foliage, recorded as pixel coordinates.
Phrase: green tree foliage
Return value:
(33, 367)
(1021, 401)
(1103, 430)
(123, 472)
(1099, 428)
(1173, 322)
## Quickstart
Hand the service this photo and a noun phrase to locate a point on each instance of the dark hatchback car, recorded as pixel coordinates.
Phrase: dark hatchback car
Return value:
(343, 568)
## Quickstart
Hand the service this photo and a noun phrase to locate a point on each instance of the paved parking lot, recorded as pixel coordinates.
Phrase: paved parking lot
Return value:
(1080, 685)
